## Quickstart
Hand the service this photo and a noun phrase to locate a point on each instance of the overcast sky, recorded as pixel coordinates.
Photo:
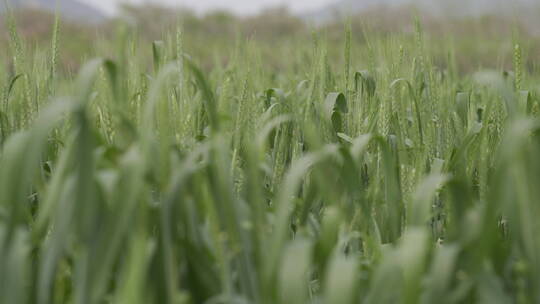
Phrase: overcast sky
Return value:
(237, 6)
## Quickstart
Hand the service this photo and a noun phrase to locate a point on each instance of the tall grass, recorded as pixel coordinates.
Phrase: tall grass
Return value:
(388, 179)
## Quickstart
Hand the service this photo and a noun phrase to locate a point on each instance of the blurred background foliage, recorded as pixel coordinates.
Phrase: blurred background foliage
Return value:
(480, 41)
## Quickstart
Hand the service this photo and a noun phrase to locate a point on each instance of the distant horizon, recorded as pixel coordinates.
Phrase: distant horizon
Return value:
(316, 11)
(239, 7)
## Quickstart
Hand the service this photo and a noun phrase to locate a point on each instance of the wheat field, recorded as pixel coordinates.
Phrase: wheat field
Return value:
(372, 173)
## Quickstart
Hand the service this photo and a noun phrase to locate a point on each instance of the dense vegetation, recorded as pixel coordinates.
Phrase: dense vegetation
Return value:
(364, 168)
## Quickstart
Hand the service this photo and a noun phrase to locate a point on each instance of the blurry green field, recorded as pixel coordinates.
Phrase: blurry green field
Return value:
(301, 170)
